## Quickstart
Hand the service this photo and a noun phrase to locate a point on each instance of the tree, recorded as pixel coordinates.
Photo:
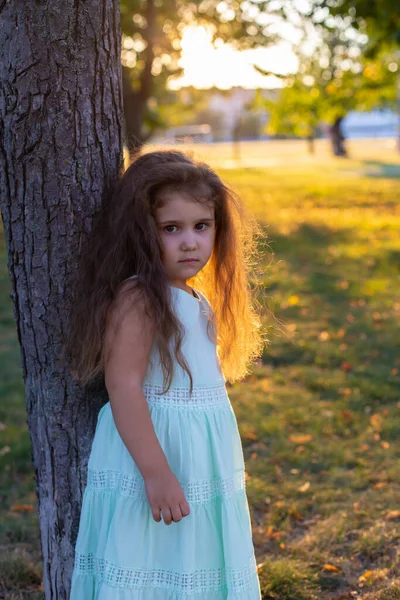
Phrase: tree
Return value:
(60, 153)
(152, 48)
(380, 20)
(332, 80)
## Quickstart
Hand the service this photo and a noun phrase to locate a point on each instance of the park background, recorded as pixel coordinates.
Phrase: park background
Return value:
(267, 93)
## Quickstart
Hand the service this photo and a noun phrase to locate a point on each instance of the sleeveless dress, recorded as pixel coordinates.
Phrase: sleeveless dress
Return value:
(121, 552)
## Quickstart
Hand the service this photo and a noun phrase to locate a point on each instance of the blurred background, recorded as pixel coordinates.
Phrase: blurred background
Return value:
(296, 104)
(225, 71)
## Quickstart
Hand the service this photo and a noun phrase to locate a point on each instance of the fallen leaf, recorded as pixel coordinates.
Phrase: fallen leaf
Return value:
(376, 421)
(276, 535)
(300, 438)
(331, 568)
(260, 566)
(392, 515)
(250, 435)
(365, 576)
(374, 574)
(297, 515)
(304, 487)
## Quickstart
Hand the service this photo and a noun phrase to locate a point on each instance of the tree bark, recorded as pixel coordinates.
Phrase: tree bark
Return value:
(60, 153)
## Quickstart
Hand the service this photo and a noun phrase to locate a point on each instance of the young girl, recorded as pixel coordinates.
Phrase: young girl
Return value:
(165, 514)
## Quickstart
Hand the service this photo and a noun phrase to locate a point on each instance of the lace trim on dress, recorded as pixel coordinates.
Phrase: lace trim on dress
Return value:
(196, 492)
(180, 397)
(194, 582)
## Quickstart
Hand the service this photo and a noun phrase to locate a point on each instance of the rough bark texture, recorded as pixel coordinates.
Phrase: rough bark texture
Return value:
(60, 151)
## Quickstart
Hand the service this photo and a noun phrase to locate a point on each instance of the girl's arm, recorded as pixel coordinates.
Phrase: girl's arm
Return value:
(128, 342)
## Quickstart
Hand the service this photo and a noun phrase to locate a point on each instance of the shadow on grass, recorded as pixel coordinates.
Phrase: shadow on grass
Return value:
(331, 297)
(375, 168)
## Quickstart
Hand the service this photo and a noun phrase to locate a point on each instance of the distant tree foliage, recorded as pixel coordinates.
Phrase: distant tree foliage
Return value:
(380, 19)
(338, 76)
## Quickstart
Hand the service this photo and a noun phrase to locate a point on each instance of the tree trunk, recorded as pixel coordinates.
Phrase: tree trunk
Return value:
(236, 137)
(60, 152)
(398, 106)
(311, 143)
(135, 102)
(134, 113)
(337, 138)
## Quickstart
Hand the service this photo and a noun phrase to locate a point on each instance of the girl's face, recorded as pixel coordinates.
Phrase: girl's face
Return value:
(187, 231)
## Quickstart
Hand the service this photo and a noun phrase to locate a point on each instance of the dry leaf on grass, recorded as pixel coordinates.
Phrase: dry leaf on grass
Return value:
(331, 568)
(300, 438)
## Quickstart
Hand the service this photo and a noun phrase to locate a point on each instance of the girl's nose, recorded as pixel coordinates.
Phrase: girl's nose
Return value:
(188, 242)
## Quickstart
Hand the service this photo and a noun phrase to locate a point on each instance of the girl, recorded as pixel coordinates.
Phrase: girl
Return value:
(165, 514)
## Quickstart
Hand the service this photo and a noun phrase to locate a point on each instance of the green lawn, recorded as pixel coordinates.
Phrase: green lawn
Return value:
(320, 414)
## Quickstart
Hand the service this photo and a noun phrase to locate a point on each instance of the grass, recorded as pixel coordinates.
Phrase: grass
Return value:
(319, 414)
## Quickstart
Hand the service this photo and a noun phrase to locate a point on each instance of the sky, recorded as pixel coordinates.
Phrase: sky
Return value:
(224, 67)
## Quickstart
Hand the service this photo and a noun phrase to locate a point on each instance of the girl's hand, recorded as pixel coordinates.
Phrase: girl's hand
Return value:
(165, 492)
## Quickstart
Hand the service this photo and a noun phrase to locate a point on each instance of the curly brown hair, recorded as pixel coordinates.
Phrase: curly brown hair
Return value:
(125, 241)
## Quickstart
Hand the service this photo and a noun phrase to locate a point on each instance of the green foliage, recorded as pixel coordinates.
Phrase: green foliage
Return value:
(334, 80)
(378, 18)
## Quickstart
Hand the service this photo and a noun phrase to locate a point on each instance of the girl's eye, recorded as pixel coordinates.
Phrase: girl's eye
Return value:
(166, 228)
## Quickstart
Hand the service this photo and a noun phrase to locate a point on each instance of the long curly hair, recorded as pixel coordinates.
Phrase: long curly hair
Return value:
(124, 241)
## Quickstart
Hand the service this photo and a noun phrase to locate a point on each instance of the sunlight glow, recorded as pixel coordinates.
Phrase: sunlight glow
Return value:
(224, 67)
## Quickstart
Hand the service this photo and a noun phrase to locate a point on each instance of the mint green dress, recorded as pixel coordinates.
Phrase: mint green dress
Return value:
(121, 552)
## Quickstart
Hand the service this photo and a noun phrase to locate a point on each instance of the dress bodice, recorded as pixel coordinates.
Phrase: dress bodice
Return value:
(198, 348)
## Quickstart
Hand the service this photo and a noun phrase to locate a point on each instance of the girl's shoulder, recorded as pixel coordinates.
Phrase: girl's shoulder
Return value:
(130, 296)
